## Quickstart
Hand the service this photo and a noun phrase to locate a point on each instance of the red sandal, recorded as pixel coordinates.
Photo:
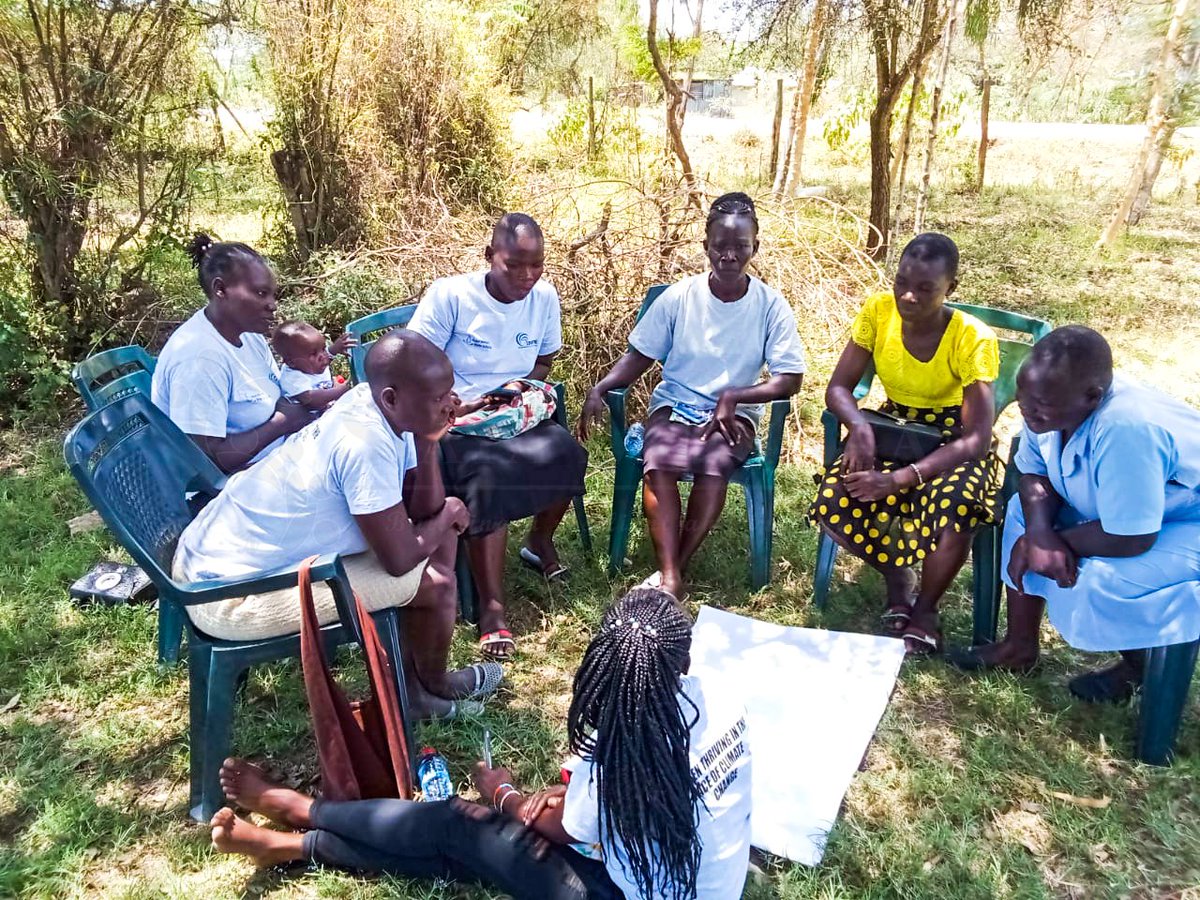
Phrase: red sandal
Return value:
(493, 643)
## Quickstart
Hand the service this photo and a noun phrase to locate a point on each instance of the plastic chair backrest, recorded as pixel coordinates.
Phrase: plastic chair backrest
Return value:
(367, 329)
(652, 294)
(137, 381)
(101, 369)
(137, 468)
(1012, 353)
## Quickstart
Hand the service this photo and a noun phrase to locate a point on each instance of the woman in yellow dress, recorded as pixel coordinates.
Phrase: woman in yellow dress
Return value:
(937, 365)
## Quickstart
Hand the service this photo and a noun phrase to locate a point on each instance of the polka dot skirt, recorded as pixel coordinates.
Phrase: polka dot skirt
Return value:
(902, 529)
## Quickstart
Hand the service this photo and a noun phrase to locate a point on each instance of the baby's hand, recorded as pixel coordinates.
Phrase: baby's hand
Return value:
(342, 344)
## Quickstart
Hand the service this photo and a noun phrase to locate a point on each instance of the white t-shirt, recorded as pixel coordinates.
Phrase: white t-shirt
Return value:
(294, 382)
(488, 342)
(720, 755)
(706, 345)
(209, 387)
(302, 499)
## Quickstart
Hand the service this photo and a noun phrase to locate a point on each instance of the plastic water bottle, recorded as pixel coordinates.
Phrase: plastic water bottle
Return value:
(634, 439)
(434, 776)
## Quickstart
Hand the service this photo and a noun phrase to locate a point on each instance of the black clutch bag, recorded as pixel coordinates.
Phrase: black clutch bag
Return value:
(901, 440)
(113, 583)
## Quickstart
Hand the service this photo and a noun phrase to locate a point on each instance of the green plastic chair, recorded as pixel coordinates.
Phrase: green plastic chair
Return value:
(756, 476)
(137, 467)
(367, 330)
(985, 549)
(101, 379)
(1166, 680)
(111, 374)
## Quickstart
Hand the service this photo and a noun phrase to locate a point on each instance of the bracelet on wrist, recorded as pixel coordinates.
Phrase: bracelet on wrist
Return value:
(499, 788)
(509, 793)
(917, 471)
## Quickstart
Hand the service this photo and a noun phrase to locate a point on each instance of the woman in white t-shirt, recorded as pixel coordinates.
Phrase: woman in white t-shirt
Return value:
(498, 326)
(216, 378)
(714, 334)
(657, 805)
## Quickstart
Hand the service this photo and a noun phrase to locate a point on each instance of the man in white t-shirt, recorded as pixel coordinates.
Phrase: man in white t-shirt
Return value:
(362, 481)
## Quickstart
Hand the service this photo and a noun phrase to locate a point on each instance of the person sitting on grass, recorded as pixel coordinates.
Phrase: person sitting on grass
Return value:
(498, 326)
(362, 481)
(937, 366)
(216, 378)
(651, 809)
(714, 333)
(305, 377)
(1105, 529)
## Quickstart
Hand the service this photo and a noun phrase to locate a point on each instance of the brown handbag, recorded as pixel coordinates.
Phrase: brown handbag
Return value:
(361, 745)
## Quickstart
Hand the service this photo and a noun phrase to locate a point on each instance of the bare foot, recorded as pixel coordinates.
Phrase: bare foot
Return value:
(265, 847)
(249, 787)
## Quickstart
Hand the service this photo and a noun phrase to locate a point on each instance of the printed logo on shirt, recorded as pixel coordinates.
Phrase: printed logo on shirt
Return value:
(472, 341)
(718, 769)
(524, 341)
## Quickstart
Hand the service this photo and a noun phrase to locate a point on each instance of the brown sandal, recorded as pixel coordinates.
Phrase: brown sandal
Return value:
(896, 618)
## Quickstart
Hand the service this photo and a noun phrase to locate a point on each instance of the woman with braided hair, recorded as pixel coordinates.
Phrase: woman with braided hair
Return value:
(656, 805)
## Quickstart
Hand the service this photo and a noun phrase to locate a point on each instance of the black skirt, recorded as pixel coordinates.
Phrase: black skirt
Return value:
(503, 481)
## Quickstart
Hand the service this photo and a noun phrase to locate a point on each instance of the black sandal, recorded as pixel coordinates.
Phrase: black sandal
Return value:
(1115, 684)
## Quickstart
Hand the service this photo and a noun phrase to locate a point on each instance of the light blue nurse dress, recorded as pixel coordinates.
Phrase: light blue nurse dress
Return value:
(1134, 465)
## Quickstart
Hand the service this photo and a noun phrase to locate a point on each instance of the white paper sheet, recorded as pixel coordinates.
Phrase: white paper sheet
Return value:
(814, 699)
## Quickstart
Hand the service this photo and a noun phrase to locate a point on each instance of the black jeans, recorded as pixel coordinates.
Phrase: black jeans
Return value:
(451, 839)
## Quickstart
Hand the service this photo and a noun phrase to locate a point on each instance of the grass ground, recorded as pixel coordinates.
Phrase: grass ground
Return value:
(974, 788)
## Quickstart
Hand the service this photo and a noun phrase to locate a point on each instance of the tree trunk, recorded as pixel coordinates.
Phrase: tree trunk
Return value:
(900, 157)
(1156, 123)
(776, 125)
(1188, 58)
(676, 101)
(899, 172)
(793, 174)
(985, 107)
(1141, 202)
(591, 146)
(697, 31)
(890, 78)
(935, 115)
(56, 233)
(784, 167)
(881, 181)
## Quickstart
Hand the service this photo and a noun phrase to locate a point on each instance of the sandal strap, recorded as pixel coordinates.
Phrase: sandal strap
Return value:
(487, 678)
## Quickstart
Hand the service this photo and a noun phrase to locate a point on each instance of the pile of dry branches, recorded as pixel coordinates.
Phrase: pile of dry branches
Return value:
(609, 240)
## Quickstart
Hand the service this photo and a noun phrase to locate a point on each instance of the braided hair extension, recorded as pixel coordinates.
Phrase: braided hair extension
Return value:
(734, 203)
(627, 717)
(216, 259)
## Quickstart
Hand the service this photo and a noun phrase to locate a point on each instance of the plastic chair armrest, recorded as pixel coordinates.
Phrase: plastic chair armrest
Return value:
(780, 410)
(560, 411)
(325, 568)
(617, 428)
(833, 436)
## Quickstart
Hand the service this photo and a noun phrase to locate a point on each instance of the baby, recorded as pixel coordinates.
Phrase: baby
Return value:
(305, 377)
